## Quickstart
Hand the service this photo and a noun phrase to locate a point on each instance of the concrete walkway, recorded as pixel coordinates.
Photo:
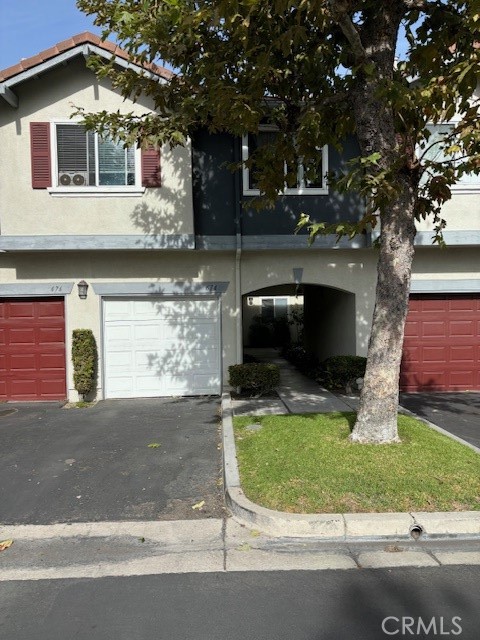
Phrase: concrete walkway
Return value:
(296, 393)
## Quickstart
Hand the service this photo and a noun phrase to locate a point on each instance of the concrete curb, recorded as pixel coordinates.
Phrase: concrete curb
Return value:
(347, 527)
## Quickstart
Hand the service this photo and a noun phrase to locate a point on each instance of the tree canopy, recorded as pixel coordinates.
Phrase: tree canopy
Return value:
(317, 71)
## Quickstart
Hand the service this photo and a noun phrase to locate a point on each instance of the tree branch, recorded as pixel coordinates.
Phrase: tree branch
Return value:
(340, 13)
(419, 5)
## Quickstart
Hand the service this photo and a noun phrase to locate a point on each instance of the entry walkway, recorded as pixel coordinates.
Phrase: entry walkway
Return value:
(296, 393)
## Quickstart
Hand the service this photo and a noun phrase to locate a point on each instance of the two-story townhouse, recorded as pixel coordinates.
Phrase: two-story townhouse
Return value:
(172, 252)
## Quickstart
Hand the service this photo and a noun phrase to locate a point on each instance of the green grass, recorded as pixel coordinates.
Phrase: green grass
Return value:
(306, 464)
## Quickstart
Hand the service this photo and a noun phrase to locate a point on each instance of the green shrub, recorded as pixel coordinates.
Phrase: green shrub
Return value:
(84, 358)
(254, 377)
(338, 371)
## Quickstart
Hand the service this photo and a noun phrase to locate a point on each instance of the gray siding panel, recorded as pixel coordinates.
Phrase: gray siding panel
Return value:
(216, 199)
(213, 184)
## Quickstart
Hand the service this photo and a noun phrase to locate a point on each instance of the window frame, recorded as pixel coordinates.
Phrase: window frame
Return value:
(287, 191)
(274, 306)
(94, 190)
(460, 187)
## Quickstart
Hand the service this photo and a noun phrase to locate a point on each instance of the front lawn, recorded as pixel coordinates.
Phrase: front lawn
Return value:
(306, 464)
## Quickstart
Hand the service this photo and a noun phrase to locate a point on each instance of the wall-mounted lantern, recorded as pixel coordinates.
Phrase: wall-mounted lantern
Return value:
(82, 289)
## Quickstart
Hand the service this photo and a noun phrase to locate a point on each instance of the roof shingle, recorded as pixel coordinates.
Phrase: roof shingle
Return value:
(82, 38)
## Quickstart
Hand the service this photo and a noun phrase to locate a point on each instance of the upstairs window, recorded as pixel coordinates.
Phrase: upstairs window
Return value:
(434, 150)
(68, 160)
(84, 159)
(311, 177)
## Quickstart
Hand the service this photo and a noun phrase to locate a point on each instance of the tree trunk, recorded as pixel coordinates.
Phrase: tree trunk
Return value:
(378, 411)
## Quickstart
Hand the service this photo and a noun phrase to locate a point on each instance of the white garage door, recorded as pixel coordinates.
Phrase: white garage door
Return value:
(159, 347)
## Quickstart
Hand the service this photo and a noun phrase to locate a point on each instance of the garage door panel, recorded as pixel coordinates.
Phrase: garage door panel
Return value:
(51, 361)
(462, 328)
(21, 310)
(146, 385)
(23, 362)
(462, 354)
(434, 354)
(468, 305)
(23, 389)
(120, 360)
(433, 328)
(22, 337)
(442, 343)
(412, 328)
(49, 335)
(120, 386)
(147, 360)
(119, 333)
(147, 332)
(433, 379)
(170, 342)
(432, 304)
(49, 309)
(461, 380)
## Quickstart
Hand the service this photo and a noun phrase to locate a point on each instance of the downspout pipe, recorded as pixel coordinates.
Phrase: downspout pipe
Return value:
(238, 253)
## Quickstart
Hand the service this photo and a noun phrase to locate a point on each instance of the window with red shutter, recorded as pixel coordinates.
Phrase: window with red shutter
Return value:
(71, 160)
(40, 155)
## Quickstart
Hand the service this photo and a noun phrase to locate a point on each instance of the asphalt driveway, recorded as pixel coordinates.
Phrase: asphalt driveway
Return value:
(95, 464)
(458, 413)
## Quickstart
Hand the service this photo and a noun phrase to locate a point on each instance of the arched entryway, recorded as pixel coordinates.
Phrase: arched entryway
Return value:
(318, 317)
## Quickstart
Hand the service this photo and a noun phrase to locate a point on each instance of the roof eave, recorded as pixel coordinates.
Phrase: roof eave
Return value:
(62, 58)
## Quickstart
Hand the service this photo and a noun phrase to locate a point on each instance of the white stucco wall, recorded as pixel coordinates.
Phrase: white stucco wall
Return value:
(27, 211)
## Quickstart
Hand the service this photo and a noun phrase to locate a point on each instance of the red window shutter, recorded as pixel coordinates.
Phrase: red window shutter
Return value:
(151, 167)
(40, 154)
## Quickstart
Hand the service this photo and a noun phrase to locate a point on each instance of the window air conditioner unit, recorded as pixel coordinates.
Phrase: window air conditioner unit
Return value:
(73, 178)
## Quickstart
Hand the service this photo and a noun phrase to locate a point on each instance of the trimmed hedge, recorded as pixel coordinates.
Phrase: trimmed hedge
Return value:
(338, 371)
(84, 358)
(254, 377)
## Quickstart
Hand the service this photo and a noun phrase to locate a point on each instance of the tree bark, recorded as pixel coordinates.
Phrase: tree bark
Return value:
(375, 128)
(378, 411)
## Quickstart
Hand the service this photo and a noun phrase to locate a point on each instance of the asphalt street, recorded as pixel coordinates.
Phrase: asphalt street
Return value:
(284, 605)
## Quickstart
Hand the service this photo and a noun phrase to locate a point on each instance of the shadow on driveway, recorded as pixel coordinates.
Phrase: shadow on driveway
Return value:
(458, 413)
(82, 465)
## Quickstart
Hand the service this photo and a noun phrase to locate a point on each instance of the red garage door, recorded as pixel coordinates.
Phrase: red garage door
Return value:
(441, 351)
(32, 349)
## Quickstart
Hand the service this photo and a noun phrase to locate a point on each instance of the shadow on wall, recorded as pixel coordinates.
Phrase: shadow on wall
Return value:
(167, 210)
